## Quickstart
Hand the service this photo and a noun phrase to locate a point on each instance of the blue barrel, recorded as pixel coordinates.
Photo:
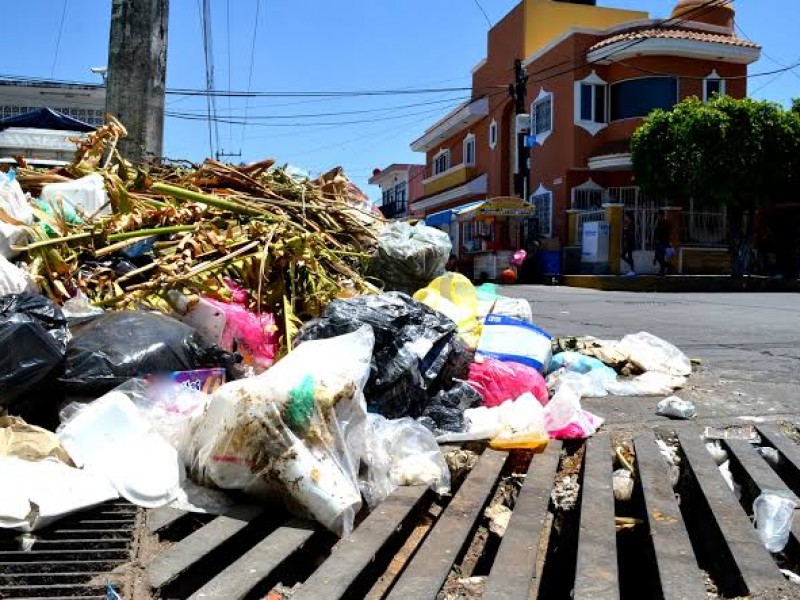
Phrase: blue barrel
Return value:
(550, 262)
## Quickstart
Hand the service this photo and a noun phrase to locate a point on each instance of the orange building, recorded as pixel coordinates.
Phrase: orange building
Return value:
(593, 74)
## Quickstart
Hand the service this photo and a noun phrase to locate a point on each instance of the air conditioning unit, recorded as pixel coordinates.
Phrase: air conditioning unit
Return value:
(523, 123)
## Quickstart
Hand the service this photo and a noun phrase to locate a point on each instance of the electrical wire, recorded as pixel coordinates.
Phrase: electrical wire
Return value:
(230, 70)
(58, 38)
(485, 16)
(250, 75)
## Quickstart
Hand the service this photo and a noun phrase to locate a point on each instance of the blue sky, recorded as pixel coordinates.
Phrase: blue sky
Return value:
(314, 45)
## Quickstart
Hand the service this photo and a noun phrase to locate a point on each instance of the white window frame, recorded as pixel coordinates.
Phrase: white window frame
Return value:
(437, 156)
(493, 134)
(713, 76)
(540, 193)
(543, 97)
(469, 140)
(593, 126)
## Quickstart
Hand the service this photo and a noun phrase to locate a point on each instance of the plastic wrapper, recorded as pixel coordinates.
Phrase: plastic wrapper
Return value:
(498, 381)
(676, 408)
(773, 514)
(445, 411)
(652, 383)
(505, 338)
(566, 419)
(78, 309)
(296, 431)
(578, 363)
(651, 353)
(490, 302)
(33, 336)
(417, 352)
(15, 205)
(111, 438)
(409, 257)
(400, 452)
(454, 296)
(116, 346)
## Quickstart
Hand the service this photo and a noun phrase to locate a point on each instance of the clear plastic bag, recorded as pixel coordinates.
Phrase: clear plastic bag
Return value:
(86, 196)
(14, 280)
(652, 383)
(400, 452)
(15, 205)
(565, 418)
(505, 338)
(676, 408)
(773, 513)
(409, 257)
(296, 431)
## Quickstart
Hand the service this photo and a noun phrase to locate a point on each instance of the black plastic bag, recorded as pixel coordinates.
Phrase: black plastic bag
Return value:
(33, 338)
(445, 412)
(417, 351)
(114, 347)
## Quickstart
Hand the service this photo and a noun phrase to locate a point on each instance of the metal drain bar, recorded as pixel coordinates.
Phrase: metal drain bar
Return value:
(675, 545)
(72, 559)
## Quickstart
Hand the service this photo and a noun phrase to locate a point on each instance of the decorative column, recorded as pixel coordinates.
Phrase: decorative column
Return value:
(572, 227)
(614, 219)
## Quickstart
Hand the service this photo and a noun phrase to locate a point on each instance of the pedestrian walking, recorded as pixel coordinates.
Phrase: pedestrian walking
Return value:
(661, 241)
(628, 242)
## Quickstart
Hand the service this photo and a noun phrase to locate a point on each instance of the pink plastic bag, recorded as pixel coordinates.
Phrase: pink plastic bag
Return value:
(254, 336)
(498, 381)
(518, 258)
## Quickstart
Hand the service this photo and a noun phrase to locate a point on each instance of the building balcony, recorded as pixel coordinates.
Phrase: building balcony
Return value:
(457, 120)
(452, 177)
(469, 189)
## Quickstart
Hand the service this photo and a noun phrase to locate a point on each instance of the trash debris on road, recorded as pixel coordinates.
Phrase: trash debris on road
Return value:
(499, 516)
(28, 442)
(771, 455)
(676, 408)
(717, 453)
(622, 482)
(773, 514)
(747, 433)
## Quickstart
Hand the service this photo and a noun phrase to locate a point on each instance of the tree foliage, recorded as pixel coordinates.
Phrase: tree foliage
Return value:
(741, 153)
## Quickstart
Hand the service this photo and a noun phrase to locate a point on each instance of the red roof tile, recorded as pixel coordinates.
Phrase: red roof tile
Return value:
(674, 34)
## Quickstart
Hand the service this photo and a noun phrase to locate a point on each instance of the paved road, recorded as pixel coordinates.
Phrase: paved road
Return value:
(749, 345)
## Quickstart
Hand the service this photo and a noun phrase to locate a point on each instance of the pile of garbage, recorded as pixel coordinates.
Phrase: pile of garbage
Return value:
(181, 332)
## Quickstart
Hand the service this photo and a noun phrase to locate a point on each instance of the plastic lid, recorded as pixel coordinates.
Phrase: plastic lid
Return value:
(147, 474)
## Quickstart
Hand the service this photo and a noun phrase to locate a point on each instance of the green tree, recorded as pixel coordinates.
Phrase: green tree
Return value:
(743, 154)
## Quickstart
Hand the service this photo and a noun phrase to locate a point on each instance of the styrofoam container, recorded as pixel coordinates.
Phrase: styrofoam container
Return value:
(111, 437)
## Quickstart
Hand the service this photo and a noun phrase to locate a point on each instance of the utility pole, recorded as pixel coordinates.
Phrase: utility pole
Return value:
(137, 72)
(518, 90)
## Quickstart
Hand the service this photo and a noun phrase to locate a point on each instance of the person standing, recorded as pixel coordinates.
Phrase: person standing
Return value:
(628, 242)
(661, 242)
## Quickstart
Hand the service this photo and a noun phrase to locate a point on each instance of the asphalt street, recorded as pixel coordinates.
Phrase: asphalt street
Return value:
(749, 345)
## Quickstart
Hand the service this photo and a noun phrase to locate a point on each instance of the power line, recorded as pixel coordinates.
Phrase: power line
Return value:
(58, 38)
(204, 10)
(228, 44)
(485, 16)
(250, 74)
(764, 54)
(337, 113)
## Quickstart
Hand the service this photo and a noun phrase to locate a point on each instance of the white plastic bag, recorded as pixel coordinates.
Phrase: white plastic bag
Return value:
(35, 494)
(296, 430)
(622, 482)
(86, 196)
(18, 214)
(676, 408)
(773, 513)
(111, 438)
(651, 383)
(400, 452)
(651, 353)
(14, 280)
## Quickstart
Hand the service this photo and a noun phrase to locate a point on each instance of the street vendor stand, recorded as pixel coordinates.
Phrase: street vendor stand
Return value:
(492, 230)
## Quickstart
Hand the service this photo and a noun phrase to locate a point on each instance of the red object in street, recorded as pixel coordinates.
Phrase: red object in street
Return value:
(508, 276)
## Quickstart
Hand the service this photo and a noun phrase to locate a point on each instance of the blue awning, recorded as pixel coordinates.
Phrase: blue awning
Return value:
(445, 217)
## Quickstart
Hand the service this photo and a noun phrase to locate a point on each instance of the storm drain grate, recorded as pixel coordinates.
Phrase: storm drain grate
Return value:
(75, 558)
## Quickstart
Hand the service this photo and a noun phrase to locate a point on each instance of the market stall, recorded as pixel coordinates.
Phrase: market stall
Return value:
(492, 230)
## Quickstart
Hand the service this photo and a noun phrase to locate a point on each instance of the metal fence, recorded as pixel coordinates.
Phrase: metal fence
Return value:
(705, 228)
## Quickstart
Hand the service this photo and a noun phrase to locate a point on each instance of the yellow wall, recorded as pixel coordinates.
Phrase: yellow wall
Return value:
(545, 20)
(459, 175)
